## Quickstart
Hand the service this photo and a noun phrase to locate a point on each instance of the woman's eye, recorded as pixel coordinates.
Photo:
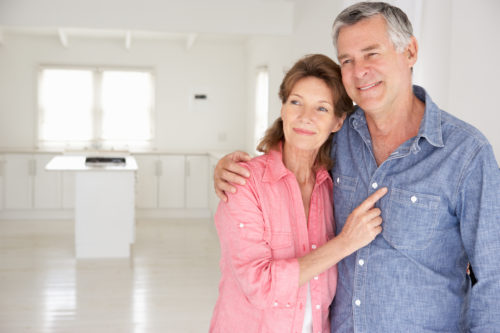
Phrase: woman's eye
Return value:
(323, 109)
(294, 102)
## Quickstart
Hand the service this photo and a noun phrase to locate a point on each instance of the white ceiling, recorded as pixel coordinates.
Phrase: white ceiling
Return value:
(147, 19)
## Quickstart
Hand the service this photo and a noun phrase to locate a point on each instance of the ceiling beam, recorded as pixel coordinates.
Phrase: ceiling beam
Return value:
(191, 38)
(63, 37)
(128, 40)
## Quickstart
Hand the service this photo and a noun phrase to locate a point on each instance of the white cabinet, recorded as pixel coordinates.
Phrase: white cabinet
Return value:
(172, 182)
(197, 181)
(2, 173)
(18, 181)
(68, 189)
(46, 184)
(213, 199)
(146, 181)
(28, 187)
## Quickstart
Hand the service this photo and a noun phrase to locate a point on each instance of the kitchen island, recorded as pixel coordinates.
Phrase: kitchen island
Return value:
(104, 204)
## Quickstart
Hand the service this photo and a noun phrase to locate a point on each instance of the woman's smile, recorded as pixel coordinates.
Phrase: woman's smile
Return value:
(303, 131)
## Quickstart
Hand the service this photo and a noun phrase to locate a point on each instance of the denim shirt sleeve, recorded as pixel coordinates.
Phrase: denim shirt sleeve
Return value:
(478, 209)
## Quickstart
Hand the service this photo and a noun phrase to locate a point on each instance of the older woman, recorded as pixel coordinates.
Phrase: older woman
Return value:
(276, 232)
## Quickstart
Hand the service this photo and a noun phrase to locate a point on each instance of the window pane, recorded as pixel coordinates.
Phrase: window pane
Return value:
(126, 100)
(261, 104)
(66, 101)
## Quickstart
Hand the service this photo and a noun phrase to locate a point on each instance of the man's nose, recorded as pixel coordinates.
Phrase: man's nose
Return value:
(360, 68)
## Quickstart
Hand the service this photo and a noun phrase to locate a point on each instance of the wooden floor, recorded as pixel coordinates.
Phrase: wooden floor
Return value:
(168, 285)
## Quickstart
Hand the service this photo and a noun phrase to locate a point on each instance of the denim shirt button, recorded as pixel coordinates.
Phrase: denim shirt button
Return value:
(413, 199)
(374, 185)
(361, 262)
(357, 302)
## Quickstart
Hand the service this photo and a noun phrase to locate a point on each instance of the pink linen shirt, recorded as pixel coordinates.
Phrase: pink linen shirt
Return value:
(262, 231)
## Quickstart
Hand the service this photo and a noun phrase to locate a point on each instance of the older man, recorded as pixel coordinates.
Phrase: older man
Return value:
(443, 206)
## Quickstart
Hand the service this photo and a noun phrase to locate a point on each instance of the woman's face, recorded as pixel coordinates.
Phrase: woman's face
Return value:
(308, 114)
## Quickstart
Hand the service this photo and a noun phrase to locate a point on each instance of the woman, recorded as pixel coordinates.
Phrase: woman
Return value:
(276, 233)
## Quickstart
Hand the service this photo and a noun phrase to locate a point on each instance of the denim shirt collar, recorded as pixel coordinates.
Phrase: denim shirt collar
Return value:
(430, 127)
(276, 169)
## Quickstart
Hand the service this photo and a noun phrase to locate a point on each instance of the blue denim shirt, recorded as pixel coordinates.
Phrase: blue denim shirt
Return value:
(442, 211)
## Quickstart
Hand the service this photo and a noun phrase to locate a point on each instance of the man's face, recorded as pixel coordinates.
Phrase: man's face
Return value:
(375, 76)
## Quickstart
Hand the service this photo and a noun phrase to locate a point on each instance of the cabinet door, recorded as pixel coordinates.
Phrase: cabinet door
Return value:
(197, 181)
(68, 189)
(18, 181)
(213, 199)
(171, 182)
(47, 184)
(2, 177)
(147, 181)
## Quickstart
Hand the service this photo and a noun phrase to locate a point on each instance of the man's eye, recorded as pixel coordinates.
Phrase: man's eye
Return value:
(345, 62)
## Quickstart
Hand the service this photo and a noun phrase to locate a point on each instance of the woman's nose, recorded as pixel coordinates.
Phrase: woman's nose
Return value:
(307, 113)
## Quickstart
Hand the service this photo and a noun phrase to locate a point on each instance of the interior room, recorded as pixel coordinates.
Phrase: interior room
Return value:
(205, 75)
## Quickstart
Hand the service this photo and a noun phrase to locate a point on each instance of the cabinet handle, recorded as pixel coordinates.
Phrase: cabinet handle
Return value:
(158, 168)
(32, 168)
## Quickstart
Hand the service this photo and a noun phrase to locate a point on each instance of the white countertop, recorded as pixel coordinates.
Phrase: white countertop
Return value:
(77, 163)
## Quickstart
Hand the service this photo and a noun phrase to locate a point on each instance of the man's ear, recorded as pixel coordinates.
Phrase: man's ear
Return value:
(412, 51)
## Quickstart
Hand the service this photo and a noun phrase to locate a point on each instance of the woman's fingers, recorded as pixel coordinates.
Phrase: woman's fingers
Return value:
(371, 200)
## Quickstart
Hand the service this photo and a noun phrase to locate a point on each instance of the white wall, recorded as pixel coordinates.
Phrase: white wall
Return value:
(457, 52)
(456, 64)
(216, 67)
(274, 53)
(474, 71)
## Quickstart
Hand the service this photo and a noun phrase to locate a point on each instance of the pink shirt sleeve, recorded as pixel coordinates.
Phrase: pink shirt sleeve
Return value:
(245, 243)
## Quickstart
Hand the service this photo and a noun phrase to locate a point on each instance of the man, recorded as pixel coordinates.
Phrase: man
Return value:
(443, 206)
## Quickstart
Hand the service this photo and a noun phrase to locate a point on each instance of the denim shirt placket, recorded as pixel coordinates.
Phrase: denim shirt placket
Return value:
(377, 176)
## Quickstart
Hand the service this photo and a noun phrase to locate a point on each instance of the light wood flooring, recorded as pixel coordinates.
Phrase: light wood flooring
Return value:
(168, 285)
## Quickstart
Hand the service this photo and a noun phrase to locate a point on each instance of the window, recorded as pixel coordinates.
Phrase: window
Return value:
(261, 104)
(95, 108)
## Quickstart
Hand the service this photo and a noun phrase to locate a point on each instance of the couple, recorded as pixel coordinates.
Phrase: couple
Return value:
(402, 264)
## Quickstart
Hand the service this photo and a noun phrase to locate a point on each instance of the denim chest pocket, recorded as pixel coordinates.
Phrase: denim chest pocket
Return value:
(343, 197)
(411, 219)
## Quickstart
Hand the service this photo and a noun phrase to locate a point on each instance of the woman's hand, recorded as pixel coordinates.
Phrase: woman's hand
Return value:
(229, 171)
(363, 224)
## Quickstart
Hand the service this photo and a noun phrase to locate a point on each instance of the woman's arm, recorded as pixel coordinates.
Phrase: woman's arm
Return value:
(246, 249)
(361, 227)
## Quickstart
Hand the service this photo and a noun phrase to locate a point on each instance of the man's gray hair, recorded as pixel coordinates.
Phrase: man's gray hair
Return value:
(398, 25)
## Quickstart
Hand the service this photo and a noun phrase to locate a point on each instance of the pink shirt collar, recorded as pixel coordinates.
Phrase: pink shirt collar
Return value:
(276, 169)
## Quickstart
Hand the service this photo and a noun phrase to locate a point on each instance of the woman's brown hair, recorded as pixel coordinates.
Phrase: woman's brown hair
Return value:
(323, 68)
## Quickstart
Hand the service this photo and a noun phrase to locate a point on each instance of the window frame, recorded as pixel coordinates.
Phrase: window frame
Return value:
(96, 142)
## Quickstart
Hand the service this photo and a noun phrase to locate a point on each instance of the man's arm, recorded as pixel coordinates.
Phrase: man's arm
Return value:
(228, 171)
(479, 213)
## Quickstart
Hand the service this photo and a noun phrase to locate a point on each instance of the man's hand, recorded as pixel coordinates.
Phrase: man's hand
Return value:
(229, 171)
